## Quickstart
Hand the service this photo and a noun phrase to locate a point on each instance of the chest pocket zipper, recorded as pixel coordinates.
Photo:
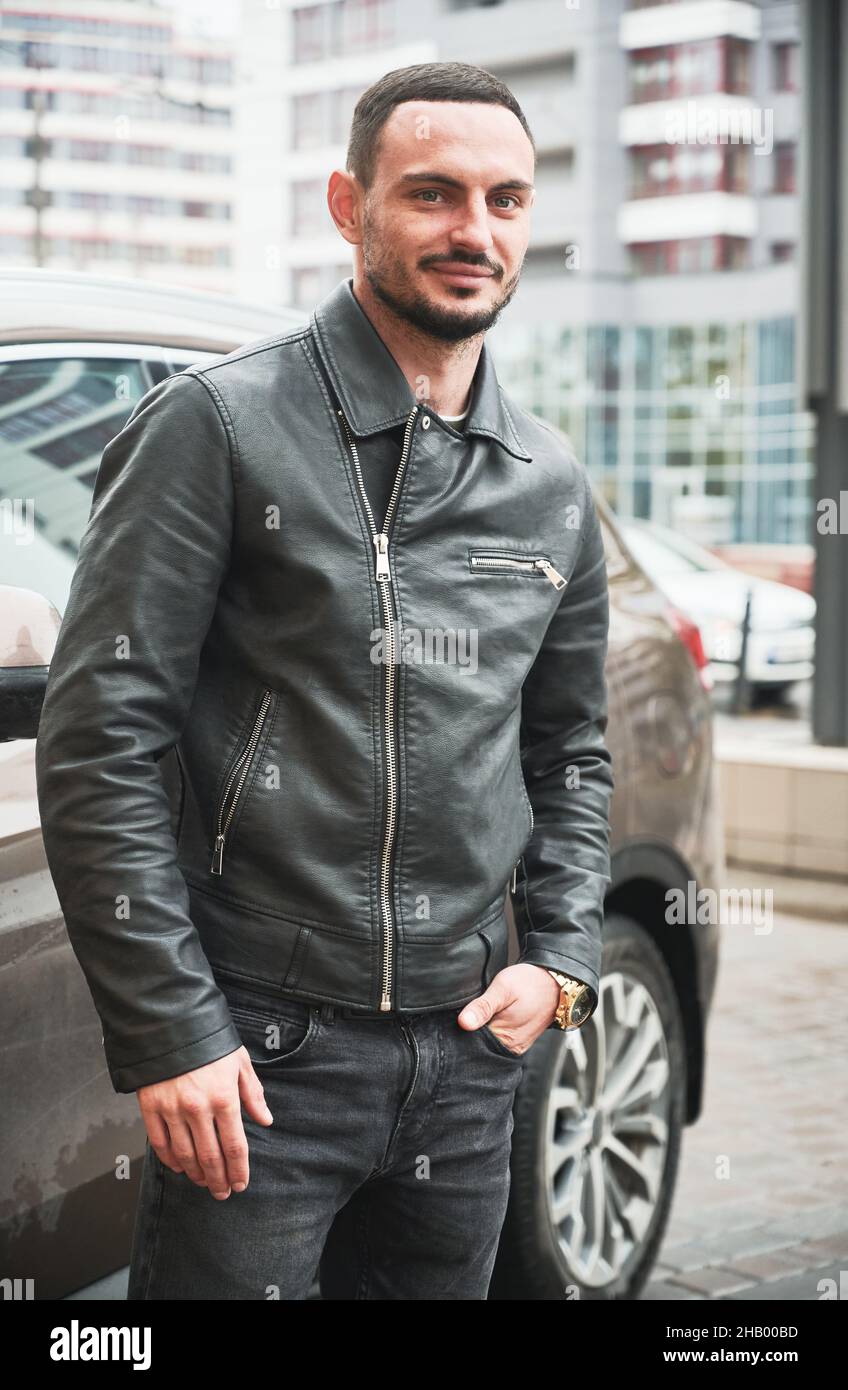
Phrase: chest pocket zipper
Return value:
(501, 562)
(235, 784)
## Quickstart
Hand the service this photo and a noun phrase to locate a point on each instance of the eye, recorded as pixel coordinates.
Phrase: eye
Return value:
(511, 198)
(426, 191)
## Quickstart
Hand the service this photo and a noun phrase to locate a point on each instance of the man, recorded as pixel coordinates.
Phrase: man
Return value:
(364, 595)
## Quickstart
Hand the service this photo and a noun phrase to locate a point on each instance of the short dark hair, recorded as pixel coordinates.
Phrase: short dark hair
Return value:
(420, 82)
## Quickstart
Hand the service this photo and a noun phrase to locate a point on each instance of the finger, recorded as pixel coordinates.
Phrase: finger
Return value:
(182, 1145)
(160, 1140)
(208, 1149)
(252, 1093)
(481, 1009)
(233, 1144)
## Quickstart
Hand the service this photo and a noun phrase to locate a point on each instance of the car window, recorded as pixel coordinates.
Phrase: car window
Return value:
(57, 414)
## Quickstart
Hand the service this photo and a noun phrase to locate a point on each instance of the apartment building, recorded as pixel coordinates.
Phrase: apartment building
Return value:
(116, 142)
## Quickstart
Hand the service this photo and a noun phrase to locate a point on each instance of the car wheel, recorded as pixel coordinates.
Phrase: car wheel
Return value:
(774, 693)
(598, 1121)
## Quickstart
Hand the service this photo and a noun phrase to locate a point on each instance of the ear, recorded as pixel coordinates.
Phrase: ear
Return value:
(344, 200)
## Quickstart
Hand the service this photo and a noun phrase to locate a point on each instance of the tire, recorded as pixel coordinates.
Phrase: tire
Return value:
(772, 693)
(532, 1263)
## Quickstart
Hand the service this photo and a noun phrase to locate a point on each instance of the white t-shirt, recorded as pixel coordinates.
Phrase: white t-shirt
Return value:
(456, 420)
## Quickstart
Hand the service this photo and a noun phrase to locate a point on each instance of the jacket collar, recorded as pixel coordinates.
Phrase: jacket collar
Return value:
(373, 390)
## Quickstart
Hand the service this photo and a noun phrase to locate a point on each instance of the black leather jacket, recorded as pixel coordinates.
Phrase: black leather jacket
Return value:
(349, 823)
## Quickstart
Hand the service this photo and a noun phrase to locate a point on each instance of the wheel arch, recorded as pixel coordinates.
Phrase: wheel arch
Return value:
(642, 873)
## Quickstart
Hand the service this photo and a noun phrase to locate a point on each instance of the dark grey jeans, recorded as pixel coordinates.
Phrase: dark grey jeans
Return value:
(386, 1170)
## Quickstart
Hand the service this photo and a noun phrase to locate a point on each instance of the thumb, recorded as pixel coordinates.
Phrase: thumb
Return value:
(480, 1010)
(253, 1096)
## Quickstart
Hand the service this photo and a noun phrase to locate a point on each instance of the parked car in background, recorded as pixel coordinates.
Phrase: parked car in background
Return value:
(781, 639)
(785, 564)
(599, 1114)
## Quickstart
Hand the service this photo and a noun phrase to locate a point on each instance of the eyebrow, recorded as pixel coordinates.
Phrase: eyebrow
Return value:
(516, 184)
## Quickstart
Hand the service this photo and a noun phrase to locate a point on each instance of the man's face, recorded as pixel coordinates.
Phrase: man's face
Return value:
(447, 218)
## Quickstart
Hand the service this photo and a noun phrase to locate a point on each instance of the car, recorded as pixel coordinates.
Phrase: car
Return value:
(599, 1113)
(781, 636)
(792, 563)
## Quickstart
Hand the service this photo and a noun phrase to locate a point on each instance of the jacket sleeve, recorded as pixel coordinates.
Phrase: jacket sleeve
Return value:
(121, 682)
(567, 769)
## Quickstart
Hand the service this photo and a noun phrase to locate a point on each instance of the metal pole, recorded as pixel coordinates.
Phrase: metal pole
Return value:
(823, 360)
(741, 694)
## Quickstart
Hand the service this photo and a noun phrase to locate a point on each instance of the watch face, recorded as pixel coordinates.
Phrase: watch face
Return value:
(581, 1008)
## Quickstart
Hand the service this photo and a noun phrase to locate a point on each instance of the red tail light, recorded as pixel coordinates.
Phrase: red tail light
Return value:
(690, 635)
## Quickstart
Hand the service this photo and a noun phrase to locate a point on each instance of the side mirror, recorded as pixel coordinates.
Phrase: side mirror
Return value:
(29, 626)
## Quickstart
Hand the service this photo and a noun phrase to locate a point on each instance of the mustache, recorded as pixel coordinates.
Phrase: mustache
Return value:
(460, 259)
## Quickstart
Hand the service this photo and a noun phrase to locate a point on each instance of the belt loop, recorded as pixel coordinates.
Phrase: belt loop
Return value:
(328, 1013)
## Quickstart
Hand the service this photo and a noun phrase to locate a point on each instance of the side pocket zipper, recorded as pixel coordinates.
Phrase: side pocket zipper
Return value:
(506, 563)
(239, 770)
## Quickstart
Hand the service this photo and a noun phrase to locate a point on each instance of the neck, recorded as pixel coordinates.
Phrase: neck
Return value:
(446, 368)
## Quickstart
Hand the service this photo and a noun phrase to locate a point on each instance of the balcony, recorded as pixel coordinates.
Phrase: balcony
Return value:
(687, 215)
(688, 22)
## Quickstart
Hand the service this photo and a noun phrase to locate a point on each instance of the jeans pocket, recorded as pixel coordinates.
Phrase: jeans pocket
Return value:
(497, 1046)
(274, 1031)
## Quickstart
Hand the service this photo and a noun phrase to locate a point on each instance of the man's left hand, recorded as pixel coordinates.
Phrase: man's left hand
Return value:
(518, 1006)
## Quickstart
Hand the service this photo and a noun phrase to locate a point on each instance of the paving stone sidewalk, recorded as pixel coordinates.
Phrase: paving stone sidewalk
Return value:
(761, 1209)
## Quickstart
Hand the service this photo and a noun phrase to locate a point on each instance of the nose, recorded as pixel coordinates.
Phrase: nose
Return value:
(472, 231)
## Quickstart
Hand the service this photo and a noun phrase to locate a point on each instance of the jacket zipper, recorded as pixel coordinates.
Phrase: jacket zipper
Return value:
(500, 561)
(518, 861)
(240, 767)
(384, 586)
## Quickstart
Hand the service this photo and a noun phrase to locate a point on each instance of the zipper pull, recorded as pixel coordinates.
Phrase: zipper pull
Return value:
(218, 855)
(553, 575)
(385, 1003)
(382, 543)
(515, 875)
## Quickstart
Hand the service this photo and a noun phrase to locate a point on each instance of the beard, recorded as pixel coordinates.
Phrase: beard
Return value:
(392, 285)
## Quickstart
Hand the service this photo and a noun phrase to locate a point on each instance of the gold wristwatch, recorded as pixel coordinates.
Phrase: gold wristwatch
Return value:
(576, 1000)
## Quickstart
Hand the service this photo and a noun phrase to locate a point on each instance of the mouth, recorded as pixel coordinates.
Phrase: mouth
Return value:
(464, 276)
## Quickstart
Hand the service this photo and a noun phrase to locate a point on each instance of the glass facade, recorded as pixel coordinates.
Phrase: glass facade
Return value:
(659, 413)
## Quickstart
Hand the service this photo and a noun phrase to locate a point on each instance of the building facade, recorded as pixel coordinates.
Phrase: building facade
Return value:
(116, 143)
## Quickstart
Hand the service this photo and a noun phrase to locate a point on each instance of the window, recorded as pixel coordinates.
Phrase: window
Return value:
(689, 69)
(342, 27)
(308, 124)
(658, 170)
(323, 118)
(690, 255)
(311, 283)
(60, 414)
(785, 63)
(309, 213)
(784, 168)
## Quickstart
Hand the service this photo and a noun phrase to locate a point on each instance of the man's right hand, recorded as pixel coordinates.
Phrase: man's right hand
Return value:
(194, 1121)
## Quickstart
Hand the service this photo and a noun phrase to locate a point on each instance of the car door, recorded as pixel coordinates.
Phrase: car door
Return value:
(69, 1142)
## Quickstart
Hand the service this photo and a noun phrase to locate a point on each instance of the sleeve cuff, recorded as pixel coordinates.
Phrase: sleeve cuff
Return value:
(182, 1059)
